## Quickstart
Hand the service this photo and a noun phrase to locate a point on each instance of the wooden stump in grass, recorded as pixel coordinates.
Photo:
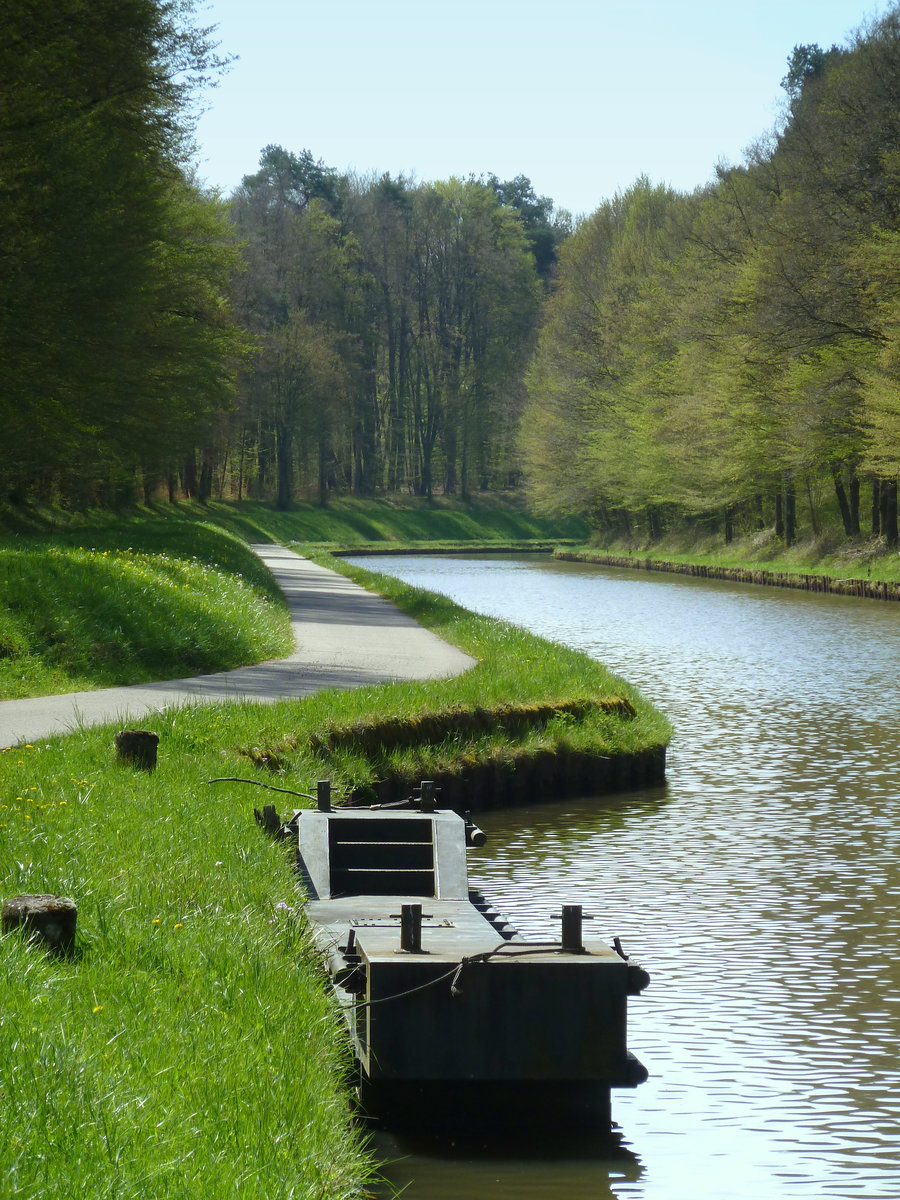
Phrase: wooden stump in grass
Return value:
(269, 820)
(137, 747)
(46, 919)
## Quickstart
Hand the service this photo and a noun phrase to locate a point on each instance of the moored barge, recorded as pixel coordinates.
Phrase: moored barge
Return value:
(450, 1011)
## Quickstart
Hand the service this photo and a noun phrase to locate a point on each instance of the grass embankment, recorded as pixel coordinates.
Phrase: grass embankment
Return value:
(516, 673)
(188, 1048)
(345, 522)
(868, 562)
(117, 608)
(102, 599)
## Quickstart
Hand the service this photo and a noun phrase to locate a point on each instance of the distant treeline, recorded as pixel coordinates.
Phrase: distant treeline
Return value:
(733, 356)
(730, 356)
(391, 323)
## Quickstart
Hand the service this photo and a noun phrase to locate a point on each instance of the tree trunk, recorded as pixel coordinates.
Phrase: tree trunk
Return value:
(285, 461)
(189, 478)
(876, 507)
(790, 511)
(204, 485)
(813, 519)
(779, 515)
(889, 512)
(729, 527)
(843, 502)
(450, 479)
(323, 473)
(427, 485)
(854, 504)
(240, 494)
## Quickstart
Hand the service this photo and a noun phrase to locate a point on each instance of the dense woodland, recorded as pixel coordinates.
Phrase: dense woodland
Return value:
(729, 357)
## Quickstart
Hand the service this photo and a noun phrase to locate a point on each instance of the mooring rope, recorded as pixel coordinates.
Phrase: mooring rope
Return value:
(501, 951)
(258, 783)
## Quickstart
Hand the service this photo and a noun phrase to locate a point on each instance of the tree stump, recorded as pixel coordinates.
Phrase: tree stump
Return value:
(46, 919)
(137, 747)
(269, 820)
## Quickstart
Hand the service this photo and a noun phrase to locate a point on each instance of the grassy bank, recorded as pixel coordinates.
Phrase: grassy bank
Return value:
(513, 668)
(100, 599)
(106, 607)
(346, 521)
(188, 1048)
(870, 561)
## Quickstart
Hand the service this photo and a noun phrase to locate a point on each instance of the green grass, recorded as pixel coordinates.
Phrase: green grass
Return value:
(188, 1049)
(836, 558)
(345, 521)
(119, 609)
(101, 599)
(513, 667)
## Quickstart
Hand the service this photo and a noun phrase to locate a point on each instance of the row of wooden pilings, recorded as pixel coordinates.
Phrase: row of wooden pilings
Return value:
(529, 779)
(867, 589)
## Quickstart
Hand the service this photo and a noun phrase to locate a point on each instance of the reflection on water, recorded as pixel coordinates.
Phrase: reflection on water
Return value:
(582, 1170)
(760, 887)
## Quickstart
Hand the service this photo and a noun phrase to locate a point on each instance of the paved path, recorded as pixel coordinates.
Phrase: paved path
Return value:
(344, 637)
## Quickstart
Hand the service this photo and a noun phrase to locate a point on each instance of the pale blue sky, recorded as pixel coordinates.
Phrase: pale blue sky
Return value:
(582, 96)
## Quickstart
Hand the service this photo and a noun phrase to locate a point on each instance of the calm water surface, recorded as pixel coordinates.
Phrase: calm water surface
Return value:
(760, 888)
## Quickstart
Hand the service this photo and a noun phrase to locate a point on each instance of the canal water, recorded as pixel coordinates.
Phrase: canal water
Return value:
(760, 887)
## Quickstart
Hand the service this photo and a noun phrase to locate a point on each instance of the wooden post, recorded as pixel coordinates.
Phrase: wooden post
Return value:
(137, 747)
(323, 795)
(269, 820)
(47, 919)
(411, 928)
(571, 928)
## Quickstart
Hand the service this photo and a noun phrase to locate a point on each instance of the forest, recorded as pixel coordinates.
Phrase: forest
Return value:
(727, 357)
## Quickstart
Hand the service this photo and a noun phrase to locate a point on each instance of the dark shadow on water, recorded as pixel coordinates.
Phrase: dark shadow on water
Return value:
(526, 1165)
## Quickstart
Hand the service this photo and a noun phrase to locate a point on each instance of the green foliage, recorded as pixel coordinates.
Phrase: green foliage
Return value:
(116, 347)
(428, 295)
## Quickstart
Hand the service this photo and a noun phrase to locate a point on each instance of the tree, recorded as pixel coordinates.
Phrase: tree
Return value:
(300, 296)
(545, 230)
(95, 214)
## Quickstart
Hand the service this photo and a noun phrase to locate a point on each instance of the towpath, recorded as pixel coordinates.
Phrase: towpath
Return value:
(344, 637)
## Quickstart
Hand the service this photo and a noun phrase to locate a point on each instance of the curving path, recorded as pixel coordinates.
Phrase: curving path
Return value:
(344, 637)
